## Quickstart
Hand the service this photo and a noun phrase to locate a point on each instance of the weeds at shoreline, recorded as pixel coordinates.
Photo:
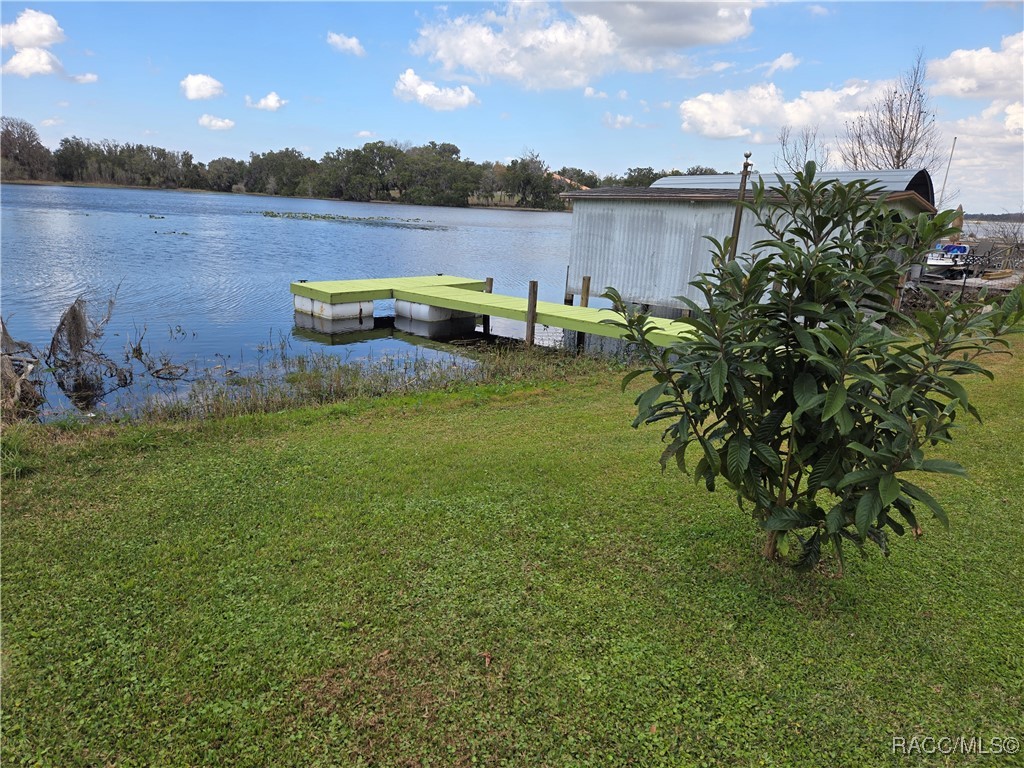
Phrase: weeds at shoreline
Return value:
(283, 381)
(146, 386)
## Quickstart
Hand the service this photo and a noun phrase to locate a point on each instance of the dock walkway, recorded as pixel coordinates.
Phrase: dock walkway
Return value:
(467, 295)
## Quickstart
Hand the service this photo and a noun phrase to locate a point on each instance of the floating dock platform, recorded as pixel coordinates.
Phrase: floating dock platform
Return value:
(444, 298)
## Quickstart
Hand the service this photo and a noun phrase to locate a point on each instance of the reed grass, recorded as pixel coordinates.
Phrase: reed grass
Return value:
(282, 380)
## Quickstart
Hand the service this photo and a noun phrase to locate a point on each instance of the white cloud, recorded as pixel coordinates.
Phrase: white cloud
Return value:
(270, 103)
(818, 10)
(345, 44)
(216, 123)
(197, 87)
(31, 34)
(988, 165)
(50, 122)
(410, 87)
(539, 47)
(671, 25)
(758, 111)
(982, 72)
(365, 134)
(31, 29)
(987, 168)
(527, 44)
(785, 61)
(33, 61)
(590, 93)
(617, 122)
(623, 94)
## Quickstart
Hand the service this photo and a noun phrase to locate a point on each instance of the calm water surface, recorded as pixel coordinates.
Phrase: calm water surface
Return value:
(207, 275)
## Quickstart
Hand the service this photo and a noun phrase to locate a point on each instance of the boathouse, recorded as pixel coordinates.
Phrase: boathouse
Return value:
(649, 242)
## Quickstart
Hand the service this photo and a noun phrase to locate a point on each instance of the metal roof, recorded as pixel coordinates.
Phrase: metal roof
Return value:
(915, 180)
(653, 193)
(669, 194)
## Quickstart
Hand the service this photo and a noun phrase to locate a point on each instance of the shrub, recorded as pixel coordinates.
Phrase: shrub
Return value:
(792, 382)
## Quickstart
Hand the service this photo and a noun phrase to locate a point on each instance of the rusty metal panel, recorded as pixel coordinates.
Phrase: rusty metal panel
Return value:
(649, 250)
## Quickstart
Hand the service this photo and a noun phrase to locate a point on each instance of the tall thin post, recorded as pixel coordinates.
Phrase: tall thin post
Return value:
(747, 165)
(942, 194)
(488, 288)
(531, 313)
(581, 337)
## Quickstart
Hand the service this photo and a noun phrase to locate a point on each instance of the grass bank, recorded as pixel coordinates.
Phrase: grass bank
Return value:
(494, 575)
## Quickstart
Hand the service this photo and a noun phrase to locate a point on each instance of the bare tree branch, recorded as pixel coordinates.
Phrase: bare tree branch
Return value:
(796, 149)
(898, 130)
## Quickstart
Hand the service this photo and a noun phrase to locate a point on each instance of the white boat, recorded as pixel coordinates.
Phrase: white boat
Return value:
(946, 256)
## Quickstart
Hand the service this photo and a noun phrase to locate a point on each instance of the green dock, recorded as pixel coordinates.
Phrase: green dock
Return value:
(461, 294)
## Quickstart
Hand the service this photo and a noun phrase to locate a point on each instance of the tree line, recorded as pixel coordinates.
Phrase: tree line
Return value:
(431, 174)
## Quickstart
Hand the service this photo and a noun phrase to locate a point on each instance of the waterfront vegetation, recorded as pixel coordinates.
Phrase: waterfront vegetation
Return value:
(489, 573)
(431, 174)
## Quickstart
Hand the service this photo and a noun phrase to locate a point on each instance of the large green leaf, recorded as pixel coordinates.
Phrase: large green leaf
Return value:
(767, 456)
(868, 508)
(738, 457)
(805, 386)
(835, 519)
(811, 553)
(943, 466)
(923, 496)
(844, 420)
(719, 372)
(824, 468)
(858, 477)
(888, 489)
(711, 455)
(834, 400)
(646, 400)
(788, 519)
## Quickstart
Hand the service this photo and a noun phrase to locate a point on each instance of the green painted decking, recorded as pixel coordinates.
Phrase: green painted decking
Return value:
(377, 288)
(467, 295)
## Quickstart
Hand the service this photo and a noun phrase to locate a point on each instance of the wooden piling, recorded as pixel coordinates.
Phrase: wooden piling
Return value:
(585, 295)
(486, 322)
(531, 313)
(581, 338)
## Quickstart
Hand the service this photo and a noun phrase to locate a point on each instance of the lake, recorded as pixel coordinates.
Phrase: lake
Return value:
(206, 275)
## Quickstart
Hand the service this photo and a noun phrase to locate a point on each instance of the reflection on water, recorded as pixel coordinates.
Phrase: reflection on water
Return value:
(204, 278)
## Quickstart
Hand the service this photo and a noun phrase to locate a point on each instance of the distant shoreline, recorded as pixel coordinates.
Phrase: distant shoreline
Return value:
(96, 185)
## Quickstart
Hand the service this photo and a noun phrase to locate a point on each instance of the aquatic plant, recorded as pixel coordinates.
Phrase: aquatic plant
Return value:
(79, 366)
(381, 221)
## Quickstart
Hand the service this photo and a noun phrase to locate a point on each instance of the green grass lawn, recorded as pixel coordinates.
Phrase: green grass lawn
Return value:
(492, 576)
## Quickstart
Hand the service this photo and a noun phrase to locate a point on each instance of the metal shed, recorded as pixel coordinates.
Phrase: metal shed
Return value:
(649, 242)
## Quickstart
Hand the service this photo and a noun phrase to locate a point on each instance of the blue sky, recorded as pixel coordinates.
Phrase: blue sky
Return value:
(599, 85)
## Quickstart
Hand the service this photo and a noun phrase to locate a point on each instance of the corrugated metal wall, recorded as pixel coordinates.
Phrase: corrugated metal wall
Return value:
(649, 250)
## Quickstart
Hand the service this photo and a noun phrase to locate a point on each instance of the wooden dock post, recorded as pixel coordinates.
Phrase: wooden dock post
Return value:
(486, 323)
(531, 313)
(581, 338)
